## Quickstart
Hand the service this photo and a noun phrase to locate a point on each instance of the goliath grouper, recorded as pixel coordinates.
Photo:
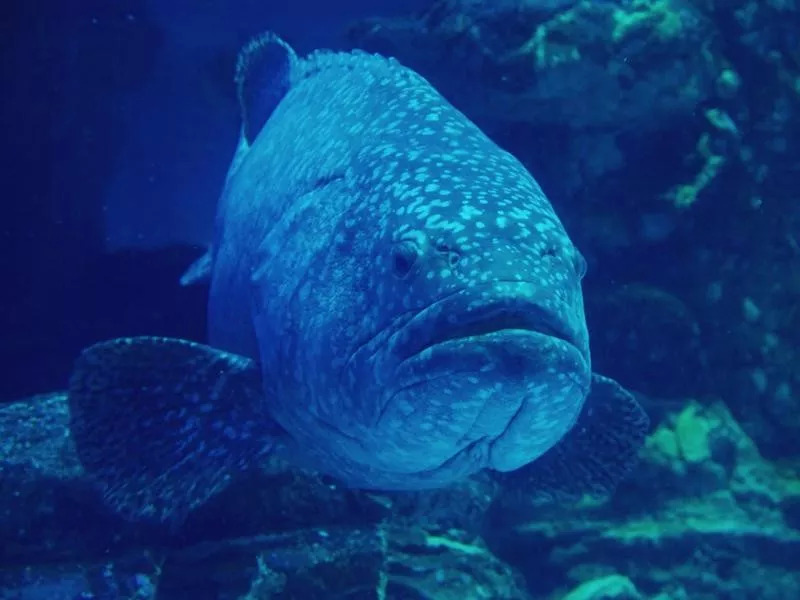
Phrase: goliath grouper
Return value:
(393, 302)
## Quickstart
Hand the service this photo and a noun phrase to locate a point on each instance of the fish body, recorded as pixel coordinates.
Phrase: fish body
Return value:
(393, 302)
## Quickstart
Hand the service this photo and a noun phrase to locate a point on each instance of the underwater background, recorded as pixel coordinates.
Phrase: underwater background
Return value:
(665, 132)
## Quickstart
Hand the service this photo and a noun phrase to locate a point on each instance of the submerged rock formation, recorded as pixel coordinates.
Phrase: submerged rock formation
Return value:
(704, 516)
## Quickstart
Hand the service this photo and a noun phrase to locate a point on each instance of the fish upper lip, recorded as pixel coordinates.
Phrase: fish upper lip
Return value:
(501, 319)
(503, 314)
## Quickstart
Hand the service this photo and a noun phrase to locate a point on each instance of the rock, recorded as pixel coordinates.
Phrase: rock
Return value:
(605, 588)
(573, 87)
(583, 64)
(692, 434)
(704, 516)
(387, 562)
(47, 505)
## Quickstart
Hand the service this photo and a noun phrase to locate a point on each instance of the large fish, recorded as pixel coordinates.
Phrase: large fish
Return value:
(393, 302)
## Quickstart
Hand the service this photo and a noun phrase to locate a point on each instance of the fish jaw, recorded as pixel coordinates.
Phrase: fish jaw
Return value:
(478, 373)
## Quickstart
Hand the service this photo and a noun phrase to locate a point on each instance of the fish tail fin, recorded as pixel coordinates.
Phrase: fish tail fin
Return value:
(163, 424)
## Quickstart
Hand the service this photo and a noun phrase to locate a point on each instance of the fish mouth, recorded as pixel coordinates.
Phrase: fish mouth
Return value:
(459, 317)
(502, 320)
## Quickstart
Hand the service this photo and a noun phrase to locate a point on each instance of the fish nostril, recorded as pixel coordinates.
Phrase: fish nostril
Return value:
(549, 252)
(404, 258)
(452, 255)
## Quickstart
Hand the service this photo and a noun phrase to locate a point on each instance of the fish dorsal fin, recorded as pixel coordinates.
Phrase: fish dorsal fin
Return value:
(263, 77)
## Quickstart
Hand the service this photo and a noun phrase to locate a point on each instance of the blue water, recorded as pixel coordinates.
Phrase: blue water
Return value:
(120, 120)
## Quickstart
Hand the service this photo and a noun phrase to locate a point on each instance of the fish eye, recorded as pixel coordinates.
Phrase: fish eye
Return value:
(580, 265)
(404, 257)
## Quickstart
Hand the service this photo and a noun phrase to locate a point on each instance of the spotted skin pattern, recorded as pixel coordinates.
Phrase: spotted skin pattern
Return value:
(367, 214)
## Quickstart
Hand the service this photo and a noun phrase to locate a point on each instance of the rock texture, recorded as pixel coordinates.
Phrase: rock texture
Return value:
(705, 516)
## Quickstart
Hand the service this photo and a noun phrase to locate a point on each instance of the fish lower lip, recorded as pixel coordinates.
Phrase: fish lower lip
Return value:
(459, 316)
(502, 323)
(482, 334)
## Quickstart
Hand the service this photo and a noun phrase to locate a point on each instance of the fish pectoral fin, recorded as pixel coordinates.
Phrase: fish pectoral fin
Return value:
(199, 271)
(599, 450)
(163, 424)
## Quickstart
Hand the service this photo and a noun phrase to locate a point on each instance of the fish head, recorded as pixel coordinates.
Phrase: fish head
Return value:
(419, 307)
(462, 343)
